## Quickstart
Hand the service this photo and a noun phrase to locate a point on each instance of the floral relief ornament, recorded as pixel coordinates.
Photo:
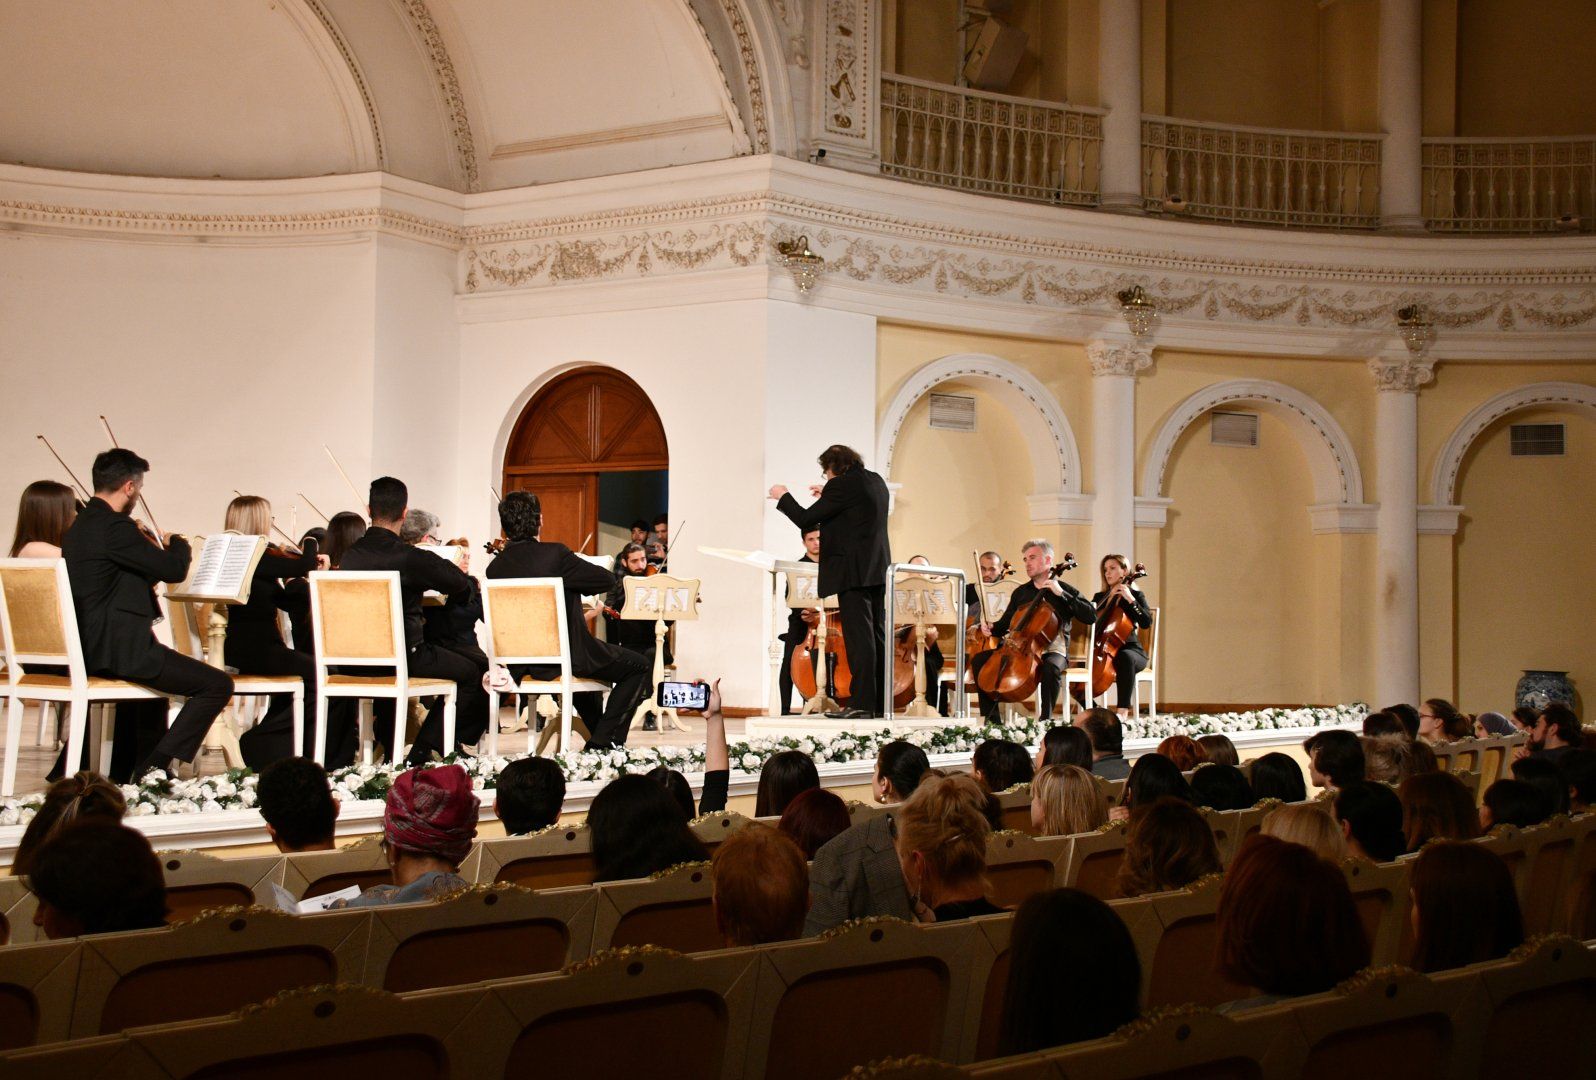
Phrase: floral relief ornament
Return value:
(1403, 374)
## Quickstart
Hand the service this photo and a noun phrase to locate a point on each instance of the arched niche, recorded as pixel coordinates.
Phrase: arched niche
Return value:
(1337, 480)
(1055, 456)
(1443, 481)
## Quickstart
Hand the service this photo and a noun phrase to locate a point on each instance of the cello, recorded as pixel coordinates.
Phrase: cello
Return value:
(1114, 628)
(1014, 672)
(822, 655)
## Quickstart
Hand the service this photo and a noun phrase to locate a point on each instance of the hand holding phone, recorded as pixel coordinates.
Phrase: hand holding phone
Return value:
(683, 695)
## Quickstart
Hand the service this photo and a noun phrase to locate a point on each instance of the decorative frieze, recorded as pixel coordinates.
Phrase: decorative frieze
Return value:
(1401, 374)
(1125, 358)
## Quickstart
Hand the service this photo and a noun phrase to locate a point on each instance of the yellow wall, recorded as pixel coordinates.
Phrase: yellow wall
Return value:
(1060, 59)
(1244, 62)
(1525, 68)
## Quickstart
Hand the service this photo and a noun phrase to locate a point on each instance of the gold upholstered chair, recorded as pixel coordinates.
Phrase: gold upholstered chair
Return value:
(526, 625)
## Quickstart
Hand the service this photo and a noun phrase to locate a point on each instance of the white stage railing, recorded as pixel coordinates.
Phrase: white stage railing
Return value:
(1483, 185)
(1261, 176)
(994, 144)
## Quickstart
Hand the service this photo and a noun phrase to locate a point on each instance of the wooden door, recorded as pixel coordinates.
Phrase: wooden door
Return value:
(570, 504)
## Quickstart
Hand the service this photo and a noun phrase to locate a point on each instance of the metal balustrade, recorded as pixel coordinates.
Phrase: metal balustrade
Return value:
(993, 144)
(1261, 176)
(1483, 185)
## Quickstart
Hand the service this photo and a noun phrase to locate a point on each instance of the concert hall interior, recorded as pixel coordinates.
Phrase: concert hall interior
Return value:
(1275, 317)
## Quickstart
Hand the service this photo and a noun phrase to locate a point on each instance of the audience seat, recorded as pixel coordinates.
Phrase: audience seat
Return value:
(1094, 861)
(497, 931)
(860, 812)
(316, 873)
(716, 826)
(549, 859)
(16, 912)
(1539, 1001)
(673, 909)
(1015, 808)
(1181, 969)
(196, 882)
(1380, 893)
(989, 980)
(1019, 865)
(37, 984)
(1189, 1042)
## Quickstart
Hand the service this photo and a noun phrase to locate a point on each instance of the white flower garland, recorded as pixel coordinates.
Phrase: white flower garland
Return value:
(235, 789)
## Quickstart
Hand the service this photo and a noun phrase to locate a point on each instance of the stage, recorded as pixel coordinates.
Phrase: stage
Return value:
(211, 813)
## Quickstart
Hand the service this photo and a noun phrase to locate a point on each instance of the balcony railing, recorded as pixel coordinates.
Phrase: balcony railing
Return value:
(990, 143)
(1510, 185)
(1261, 176)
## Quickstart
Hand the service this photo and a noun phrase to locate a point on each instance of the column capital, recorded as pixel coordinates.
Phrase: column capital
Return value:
(1403, 373)
(1112, 356)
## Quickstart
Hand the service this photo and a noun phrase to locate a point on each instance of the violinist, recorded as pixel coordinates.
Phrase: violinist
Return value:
(634, 634)
(344, 529)
(1065, 600)
(1131, 657)
(798, 621)
(43, 517)
(255, 642)
(113, 564)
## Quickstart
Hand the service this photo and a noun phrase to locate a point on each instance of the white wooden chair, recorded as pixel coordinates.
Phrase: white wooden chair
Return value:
(1079, 676)
(1149, 674)
(39, 626)
(525, 619)
(358, 622)
(188, 638)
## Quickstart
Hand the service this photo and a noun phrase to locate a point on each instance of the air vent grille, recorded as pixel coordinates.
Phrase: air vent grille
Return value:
(1233, 428)
(953, 412)
(1536, 440)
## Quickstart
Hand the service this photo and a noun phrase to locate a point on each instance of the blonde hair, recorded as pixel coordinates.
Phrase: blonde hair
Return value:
(1070, 798)
(945, 821)
(1387, 758)
(249, 514)
(1310, 826)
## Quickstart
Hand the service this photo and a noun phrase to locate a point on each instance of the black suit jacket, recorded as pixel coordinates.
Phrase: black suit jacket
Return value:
(254, 622)
(112, 566)
(852, 515)
(419, 572)
(534, 558)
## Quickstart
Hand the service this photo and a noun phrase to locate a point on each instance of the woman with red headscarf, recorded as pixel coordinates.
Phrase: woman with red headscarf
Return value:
(427, 829)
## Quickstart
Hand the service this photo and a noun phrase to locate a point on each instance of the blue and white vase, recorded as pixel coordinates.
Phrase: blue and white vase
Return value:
(1538, 689)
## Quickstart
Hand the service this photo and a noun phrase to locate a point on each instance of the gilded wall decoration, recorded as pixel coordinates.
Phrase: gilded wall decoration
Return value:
(844, 69)
(448, 85)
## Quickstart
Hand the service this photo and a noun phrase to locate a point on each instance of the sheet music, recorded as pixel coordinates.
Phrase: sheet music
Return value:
(223, 568)
(450, 553)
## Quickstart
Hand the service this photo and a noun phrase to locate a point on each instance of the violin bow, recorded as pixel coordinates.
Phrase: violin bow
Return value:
(83, 491)
(359, 500)
(142, 504)
(286, 538)
(325, 519)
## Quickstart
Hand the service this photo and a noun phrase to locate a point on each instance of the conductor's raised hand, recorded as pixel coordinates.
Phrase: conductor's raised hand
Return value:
(816, 489)
(777, 491)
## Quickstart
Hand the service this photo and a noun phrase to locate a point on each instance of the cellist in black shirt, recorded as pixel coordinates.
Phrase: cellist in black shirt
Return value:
(1066, 601)
(1131, 657)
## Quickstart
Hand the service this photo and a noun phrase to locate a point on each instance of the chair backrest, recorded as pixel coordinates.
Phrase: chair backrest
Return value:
(37, 983)
(1541, 996)
(17, 905)
(1380, 1015)
(1019, 865)
(861, 812)
(1095, 859)
(1149, 637)
(525, 619)
(196, 882)
(1182, 969)
(717, 825)
(1548, 874)
(1380, 893)
(38, 624)
(357, 619)
(1179, 1042)
(315, 873)
(1015, 804)
(674, 909)
(551, 858)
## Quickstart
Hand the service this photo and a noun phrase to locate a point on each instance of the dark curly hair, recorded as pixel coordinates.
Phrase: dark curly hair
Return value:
(521, 515)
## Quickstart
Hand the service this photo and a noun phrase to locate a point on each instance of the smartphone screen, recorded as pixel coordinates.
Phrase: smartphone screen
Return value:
(683, 695)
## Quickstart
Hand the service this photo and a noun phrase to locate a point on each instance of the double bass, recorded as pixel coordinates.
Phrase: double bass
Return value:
(822, 653)
(1114, 628)
(1013, 673)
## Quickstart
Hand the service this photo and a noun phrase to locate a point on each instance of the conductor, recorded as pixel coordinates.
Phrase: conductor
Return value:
(851, 512)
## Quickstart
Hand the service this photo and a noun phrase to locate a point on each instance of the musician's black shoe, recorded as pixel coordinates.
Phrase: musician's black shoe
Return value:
(852, 714)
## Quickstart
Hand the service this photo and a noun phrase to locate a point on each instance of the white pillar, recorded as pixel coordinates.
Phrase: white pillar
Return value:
(1119, 81)
(1401, 116)
(1396, 602)
(1115, 364)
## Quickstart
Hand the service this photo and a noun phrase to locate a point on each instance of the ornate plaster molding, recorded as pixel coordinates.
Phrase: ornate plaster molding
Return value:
(348, 54)
(317, 224)
(1401, 374)
(448, 84)
(1124, 358)
(1443, 481)
(845, 84)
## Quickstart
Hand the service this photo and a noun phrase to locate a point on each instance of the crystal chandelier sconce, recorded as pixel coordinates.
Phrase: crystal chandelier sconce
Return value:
(1413, 322)
(804, 265)
(1138, 310)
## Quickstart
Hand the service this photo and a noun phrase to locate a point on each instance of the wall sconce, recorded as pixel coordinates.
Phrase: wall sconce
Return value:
(1138, 310)
(804, 265)
(1413, 323)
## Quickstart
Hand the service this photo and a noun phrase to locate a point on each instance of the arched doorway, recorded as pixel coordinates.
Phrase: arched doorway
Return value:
(593, 450)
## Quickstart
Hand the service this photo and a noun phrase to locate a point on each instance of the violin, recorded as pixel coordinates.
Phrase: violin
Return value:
(494, 547)
(1013, 672)
(1114, 628)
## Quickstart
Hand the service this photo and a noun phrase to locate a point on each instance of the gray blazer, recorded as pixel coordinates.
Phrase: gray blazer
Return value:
(856, 875)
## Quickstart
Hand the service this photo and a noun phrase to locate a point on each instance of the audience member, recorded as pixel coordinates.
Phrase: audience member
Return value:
(761, 887)
(1523, 718)
(1287, 923)
(1383, 723)
(1440, 721)
(1549, 778)
(1513, 802)
(1389, 758)
(1065, 800)
(1493, 725)
(83, 796)
(297, 804)
(1436, 806)
(427, 827)
(1055, 934)
(1579, 769)
(1184, 751)
(1219, 748)
(900, 766)
(1409, 717)
(1065, 745)
(1168, 846)
(638, 830)
(1555, 733)
(1000, 764)
(942, 834)
(1424, 759)
(1464, 907)
(96, 876)
(1103, 728)
(1277, 776)
(782, 778)
(814, 817)
(1371, 820)
(1335, 758)
(1151, 778)
(1221, 787)
(1309, 825)
(528, 795)
(717, 766)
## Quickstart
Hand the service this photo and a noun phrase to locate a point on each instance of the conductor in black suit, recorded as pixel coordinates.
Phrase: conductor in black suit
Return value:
(851, 513)
(113, 567)
(629, 674)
